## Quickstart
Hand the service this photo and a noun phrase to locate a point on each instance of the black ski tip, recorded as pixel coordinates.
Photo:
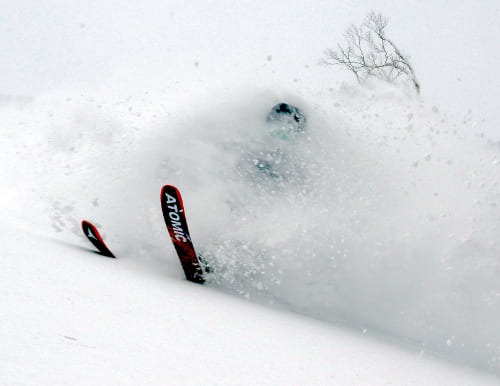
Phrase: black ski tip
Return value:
(92, 234)
(175, 220)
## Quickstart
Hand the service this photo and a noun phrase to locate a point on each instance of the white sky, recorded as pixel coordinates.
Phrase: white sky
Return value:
(48, 43)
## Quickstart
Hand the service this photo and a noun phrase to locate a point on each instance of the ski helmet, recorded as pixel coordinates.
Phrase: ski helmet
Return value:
(287, 118)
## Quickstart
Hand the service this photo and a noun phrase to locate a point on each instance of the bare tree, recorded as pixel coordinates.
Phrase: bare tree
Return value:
(370, 53)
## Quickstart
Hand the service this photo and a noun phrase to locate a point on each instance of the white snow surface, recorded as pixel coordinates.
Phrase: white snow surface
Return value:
(73, 318)
(373, 259)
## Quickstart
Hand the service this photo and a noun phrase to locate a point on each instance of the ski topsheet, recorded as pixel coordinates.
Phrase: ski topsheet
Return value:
(175, 219)
(95, 238)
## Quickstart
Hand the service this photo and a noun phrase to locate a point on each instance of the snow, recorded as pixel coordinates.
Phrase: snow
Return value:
(71, 317)
(373, 260)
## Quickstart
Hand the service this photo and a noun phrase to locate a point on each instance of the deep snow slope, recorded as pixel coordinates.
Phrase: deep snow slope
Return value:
(70, 316)
(385, 215)
(383, 219)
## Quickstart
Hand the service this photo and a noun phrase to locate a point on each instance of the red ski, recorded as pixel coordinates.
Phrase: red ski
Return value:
(95, 238)
(175, 219)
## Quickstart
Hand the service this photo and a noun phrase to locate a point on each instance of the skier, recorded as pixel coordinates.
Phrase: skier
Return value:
(285, 123)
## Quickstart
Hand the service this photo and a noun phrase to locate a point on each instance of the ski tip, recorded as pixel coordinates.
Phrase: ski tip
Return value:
(175, 220)
(93, 235)
(169, 193)
(169, 188)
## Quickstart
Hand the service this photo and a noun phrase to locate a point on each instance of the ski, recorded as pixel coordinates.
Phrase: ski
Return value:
(91, 232)
(175, 219)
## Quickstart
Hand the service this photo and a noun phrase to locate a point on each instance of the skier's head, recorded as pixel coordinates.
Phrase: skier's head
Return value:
(286, 120)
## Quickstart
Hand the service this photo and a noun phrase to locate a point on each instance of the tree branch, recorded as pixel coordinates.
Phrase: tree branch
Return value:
(369, 53)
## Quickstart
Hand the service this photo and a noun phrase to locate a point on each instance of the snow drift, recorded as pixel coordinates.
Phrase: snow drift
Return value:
(384, 217)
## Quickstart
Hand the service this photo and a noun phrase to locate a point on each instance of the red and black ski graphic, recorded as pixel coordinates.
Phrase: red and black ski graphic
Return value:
(95, 238)
(175, 219)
